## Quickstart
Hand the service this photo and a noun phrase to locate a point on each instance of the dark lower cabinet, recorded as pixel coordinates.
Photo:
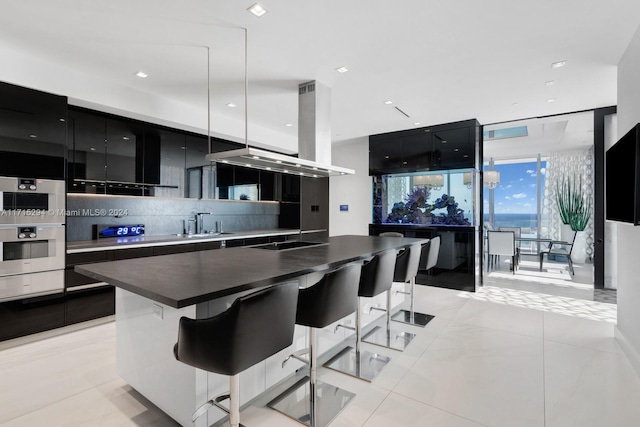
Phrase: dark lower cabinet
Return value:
(89, 304)
(84, 298)
(456, 260)
(29, 316)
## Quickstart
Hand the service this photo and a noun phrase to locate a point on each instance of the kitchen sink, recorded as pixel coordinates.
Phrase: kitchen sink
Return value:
(291, 244)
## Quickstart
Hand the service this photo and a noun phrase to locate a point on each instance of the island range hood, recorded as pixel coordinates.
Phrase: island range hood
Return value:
(314, 141)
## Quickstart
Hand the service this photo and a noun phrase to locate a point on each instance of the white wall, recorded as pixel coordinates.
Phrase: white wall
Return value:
(352, 190)
(628, 236)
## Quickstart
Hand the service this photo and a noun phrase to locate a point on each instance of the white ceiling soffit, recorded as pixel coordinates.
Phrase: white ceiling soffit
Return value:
(436, 62)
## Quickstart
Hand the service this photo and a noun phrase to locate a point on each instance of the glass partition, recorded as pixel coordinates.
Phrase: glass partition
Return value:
(425, 198)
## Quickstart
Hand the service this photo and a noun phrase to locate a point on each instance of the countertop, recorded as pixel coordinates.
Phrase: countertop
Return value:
(149, 241)
(180, 280)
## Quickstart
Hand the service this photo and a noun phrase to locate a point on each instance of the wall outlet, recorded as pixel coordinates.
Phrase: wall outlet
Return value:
(158, 311)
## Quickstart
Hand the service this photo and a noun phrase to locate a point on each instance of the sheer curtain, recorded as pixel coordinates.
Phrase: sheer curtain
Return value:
(574, 164)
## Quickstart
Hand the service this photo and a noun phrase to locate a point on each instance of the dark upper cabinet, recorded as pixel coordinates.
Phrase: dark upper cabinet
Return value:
(33, 134)
(87, 152)
(455, 148)
(385, 154)
(441, 147)
(418, 151)
(122, 138)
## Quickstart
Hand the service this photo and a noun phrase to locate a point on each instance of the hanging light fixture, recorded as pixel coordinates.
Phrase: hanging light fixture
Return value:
(467, 179)
(268, 160)
(491, 179)
(433, 182)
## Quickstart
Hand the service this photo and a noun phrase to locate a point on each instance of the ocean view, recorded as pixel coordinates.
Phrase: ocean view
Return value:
(523, 221)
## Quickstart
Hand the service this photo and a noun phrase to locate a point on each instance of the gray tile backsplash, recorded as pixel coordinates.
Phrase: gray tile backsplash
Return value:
(162, 216)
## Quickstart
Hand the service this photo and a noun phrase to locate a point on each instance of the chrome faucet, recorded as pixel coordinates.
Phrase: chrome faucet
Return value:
(200, 221)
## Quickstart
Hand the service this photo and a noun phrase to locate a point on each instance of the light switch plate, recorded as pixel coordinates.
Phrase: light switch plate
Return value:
(158, 311)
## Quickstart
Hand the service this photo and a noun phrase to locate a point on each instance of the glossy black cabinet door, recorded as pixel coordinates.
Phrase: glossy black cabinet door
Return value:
(30, 316)
(33, 134)
(385, 154)
(455, 148)
(172, 164)
(314, 203)
(87, 152)
(418, 152)
(440, 147)
(122, 136)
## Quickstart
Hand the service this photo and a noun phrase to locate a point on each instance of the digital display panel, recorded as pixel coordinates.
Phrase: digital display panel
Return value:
(120, 230)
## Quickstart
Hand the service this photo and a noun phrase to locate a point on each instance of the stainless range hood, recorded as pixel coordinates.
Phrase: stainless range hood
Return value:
(314, 139)
(266, 160)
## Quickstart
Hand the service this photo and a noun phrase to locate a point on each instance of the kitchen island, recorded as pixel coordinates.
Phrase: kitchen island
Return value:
(153, 293)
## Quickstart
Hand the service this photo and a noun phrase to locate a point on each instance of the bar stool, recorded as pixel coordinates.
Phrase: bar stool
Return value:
(310, 401)
(408, 263)
(255, 327)
(376, 277)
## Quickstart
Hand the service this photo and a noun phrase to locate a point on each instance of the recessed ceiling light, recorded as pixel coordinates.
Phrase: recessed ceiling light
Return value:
(558, 64)
(225, 161)
(388, 102)
(268, 168)
(142, 74)
(231, 105)
(297, 165)
(416, 123)
(62, 120)
(92, 149)
(278, 161)
(126, 138)
(183, 148)
(257, 10)
(33, 136)
(550, 83)
(256, 157)
(289, 125)
(551, 100)
(286, 171)
(342, 69)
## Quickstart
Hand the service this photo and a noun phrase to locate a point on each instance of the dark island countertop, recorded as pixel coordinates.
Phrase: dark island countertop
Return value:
(180, 280)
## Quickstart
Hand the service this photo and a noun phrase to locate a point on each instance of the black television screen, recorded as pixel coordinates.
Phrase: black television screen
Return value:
(622, 185)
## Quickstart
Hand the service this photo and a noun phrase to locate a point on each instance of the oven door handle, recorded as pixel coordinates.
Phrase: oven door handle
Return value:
(87, 286)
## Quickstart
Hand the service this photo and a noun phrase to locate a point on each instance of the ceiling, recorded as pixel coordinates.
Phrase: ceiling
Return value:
(436, 61)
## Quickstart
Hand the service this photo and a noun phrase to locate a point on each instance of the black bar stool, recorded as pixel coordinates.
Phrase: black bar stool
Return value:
(376, 277)
(319, 305)
(408, 263)
(255, 327)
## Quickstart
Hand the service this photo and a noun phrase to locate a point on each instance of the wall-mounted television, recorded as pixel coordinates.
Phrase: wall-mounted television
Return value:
(622, 185)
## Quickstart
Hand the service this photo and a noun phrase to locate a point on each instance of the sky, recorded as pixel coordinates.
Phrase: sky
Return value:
(516, 192)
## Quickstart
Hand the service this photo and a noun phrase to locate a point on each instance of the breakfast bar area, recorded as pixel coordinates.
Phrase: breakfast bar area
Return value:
(153, 293)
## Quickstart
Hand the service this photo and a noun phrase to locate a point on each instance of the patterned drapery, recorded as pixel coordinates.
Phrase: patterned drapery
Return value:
(570, 164)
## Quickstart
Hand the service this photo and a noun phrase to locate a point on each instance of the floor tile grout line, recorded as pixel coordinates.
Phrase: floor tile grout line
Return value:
(438, 408)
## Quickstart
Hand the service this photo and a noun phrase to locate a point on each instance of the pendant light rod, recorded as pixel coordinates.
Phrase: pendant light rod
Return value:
(208, 98)
(246, 88)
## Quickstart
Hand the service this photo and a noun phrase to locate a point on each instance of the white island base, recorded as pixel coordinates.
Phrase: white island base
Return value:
(146, 332)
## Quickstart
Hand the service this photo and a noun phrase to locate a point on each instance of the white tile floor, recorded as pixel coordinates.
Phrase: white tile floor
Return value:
(480, 362)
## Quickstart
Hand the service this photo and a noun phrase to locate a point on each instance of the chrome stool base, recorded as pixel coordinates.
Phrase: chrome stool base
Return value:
(395, 340)
(297, 402)
(412, 318)
(365, 365)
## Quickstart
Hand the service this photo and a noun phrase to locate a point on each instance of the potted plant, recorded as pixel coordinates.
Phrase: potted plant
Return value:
(575, 211)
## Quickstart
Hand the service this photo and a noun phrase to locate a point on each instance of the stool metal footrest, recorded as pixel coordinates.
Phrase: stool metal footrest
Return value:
(364, 365)
(297, 402)
(395, 340)
(412, 318)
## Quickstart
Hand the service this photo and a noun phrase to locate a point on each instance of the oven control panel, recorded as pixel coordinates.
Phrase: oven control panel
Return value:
(27, 184)
(27, 233)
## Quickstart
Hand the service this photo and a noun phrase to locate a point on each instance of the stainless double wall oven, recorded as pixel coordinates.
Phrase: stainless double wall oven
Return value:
(32, 237)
